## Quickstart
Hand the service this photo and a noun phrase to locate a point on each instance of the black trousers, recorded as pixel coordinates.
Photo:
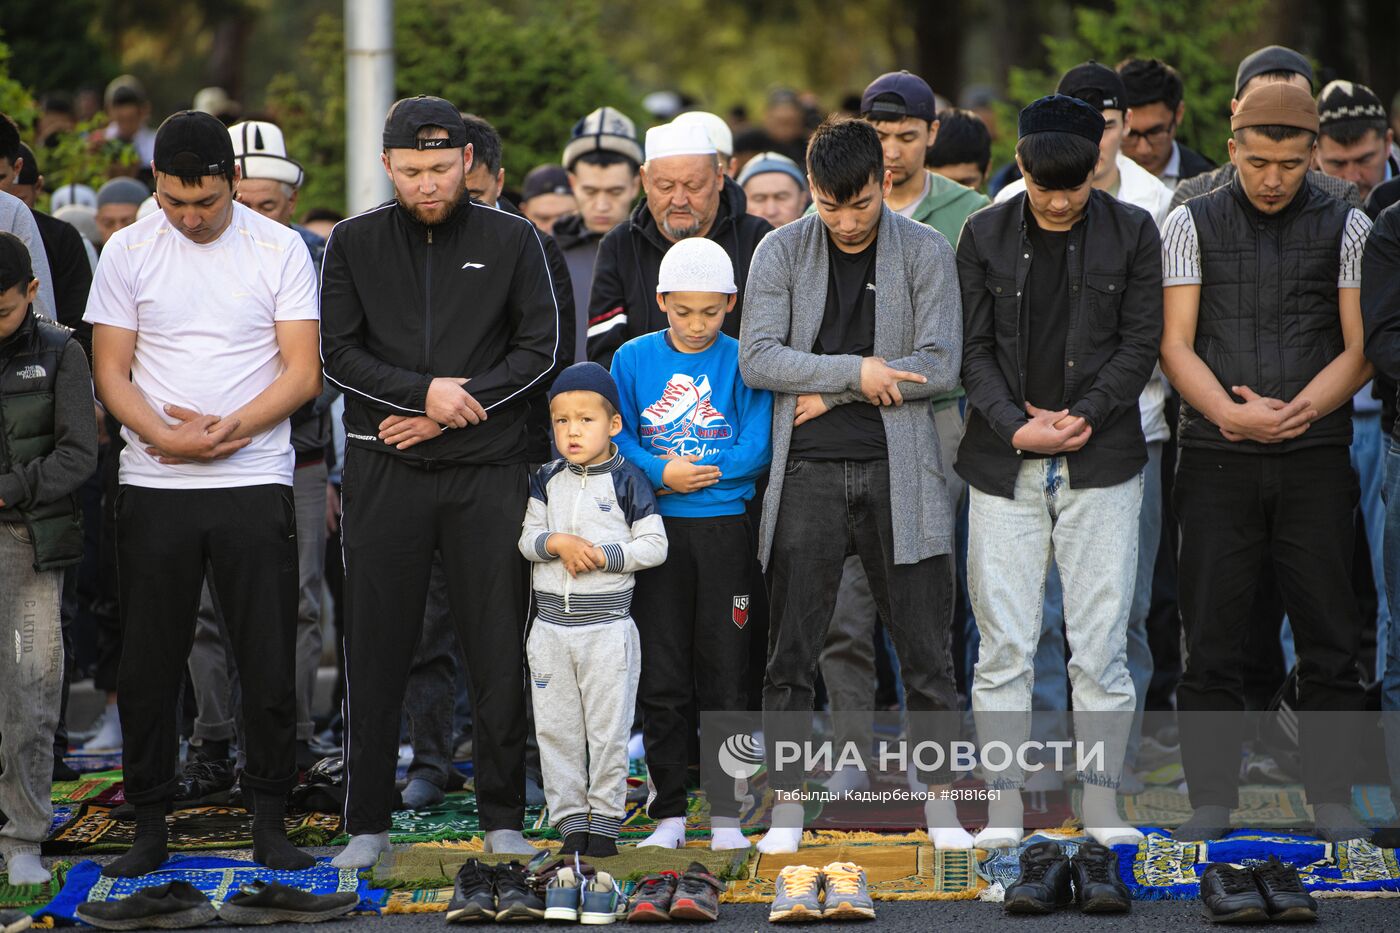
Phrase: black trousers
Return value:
(831, 509)
(692, 614)
(1239, 512)
(246, 537)
(396, 516)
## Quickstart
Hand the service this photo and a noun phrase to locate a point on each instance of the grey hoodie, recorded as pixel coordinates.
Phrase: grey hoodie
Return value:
(15, 218)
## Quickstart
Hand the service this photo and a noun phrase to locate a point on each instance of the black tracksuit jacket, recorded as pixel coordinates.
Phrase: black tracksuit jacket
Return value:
(403, 303)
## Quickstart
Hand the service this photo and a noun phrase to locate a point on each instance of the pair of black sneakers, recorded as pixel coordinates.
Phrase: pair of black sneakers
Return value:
(177, 905)
(1269, 892)
(502, 893)
(1051, 880)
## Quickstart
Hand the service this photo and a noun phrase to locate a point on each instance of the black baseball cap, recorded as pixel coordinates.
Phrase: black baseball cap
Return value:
(899, 94)
(1097, 85)
(545, 179)
(411, 114)
(191, 143)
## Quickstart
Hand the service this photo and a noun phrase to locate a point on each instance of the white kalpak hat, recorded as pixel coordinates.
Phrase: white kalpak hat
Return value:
(720, 133)
(261, 152)
(696, 264)
(678, 139)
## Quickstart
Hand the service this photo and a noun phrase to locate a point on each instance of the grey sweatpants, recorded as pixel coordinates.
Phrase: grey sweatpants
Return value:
(31, 688)
(583, 679)
(211, 668)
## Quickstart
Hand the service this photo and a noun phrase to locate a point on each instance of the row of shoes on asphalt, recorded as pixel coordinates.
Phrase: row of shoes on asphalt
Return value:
(803, 893)
(1270, 892)
(177, 905)
(572, 891)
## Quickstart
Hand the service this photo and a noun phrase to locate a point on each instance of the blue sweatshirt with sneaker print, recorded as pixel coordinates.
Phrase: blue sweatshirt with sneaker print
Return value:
(693, 404)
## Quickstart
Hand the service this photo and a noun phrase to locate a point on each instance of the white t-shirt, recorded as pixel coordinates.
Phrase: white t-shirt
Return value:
(206, 340)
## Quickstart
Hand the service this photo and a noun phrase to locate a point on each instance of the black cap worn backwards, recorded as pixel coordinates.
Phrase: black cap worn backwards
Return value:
(1097, 85)
(1060, 113)
(191, 143)
(412, 114)
(1271, 58)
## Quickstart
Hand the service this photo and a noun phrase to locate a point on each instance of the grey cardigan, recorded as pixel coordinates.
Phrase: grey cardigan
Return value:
(918, 327)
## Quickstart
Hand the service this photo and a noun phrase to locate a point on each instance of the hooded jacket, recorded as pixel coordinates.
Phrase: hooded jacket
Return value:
(622, 302)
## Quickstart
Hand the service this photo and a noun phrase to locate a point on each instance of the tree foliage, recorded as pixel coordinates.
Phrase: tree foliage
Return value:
(532, 70)
(1203, 39)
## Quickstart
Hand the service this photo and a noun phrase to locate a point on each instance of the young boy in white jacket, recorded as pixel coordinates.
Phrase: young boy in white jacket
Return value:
(590, 525)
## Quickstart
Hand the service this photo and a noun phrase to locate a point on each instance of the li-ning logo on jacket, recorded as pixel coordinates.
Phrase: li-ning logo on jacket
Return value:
(683, 419)
(32, 371)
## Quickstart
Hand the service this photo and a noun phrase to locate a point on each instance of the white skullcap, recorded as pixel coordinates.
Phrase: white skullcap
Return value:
(147, 208)
(678, 139)
(258, 147)
(718, 130)
(696, 264)
(73, 194)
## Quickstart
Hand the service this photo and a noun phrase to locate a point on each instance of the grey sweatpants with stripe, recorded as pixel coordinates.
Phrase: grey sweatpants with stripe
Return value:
(583, 680)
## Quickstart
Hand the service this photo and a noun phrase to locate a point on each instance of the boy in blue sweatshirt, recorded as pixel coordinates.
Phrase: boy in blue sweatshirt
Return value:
(702, 438)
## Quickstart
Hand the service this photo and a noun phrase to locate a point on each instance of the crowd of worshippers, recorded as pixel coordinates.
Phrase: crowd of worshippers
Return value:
(815, 413)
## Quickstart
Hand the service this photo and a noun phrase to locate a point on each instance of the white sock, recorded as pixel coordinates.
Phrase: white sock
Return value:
(725, 834)
(1101, 819)
(25, 868)
(785, 835)
(1006, 822)
(362, 851)
(941, 817)
(509, 842)
(847, 779)
(668, 834)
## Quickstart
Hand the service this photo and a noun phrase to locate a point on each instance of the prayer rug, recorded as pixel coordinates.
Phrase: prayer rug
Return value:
(1164, 869)
(1261, 806)
(28, 896)
(94, 830)
(899, 868)
(98, 761)
(456, 818)
(88, 787)
(62, 816)
(1374, 804)
(216, 877)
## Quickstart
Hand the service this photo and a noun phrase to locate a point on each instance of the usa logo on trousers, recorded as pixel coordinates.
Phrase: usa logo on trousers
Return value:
(740, 613)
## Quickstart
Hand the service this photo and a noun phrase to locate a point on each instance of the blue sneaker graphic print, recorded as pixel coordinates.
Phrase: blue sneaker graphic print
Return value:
(684, 421)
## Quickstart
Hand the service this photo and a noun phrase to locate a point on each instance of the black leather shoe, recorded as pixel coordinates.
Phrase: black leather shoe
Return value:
(263, 902)
(170, 906)
(1284, 895)
(1044, 884)
(205, 782)
(1231, 896)
(1097, 887)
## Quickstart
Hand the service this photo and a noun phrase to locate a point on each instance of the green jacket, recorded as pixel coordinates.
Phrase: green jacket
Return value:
(945, 208)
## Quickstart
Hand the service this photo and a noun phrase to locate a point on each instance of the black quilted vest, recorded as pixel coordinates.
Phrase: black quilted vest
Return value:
(1268, 316)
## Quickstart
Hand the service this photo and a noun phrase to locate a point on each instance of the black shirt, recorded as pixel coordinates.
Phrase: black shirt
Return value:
(1047, 291)
(854, 431)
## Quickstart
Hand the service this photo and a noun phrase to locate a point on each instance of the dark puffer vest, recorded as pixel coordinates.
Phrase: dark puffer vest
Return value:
(28, 376)
(1268, 316)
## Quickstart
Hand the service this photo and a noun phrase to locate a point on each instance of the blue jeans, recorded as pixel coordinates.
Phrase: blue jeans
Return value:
(1093, 534)
(1369, 450)
(1051, 693)
(1389, 649)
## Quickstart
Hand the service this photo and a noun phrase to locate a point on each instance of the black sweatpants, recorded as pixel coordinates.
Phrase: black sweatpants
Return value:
(396, 514)
(1239, 511)
(165, 539)
(692, 614)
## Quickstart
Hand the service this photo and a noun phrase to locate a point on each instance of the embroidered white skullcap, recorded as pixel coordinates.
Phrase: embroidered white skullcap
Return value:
(678, 139)
(696, 264)
(719, 132)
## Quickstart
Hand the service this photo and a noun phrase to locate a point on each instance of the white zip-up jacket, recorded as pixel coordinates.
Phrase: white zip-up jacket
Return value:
(611, 504)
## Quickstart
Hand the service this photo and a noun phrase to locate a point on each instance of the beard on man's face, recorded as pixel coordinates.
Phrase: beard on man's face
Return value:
(436, 215)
